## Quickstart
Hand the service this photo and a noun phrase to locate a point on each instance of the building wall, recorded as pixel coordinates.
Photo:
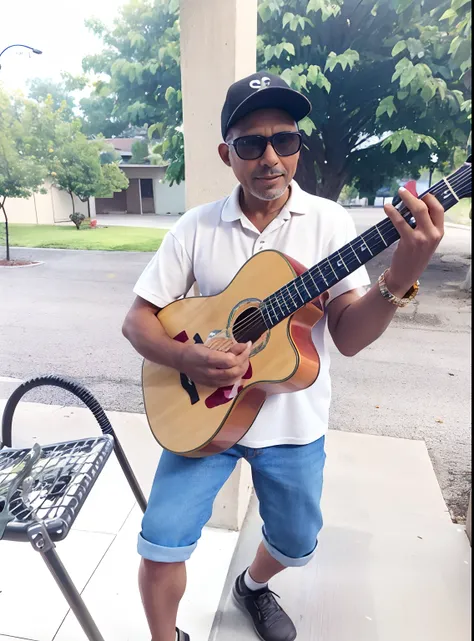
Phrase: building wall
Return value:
(45, 209)
(115, 205)
(133, 197)
(166, 199)
(144, 171)
(148, 206)
(169, 200)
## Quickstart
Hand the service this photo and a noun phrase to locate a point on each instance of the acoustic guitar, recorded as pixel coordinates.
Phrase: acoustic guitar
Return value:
(276, 313)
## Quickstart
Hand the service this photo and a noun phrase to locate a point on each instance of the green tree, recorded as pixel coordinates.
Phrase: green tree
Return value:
(95, 111)
(381, 77)
(74, 163)
(20, 172)
(61, 93)
(98, 117)
(139, 152)
(143, 83)
(75, 166)
(111, 179)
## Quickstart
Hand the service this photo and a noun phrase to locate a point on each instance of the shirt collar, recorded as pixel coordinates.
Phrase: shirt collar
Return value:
(297, 203)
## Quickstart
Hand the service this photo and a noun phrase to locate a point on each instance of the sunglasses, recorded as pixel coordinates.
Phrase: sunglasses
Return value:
(285, 143)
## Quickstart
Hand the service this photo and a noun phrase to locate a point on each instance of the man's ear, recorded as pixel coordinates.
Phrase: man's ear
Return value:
(224, 153)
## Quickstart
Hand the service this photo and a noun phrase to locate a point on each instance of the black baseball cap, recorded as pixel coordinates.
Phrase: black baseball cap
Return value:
(261, 90)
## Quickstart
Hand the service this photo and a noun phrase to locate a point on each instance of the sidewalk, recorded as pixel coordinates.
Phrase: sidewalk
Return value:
(100, 551)
(391, 566)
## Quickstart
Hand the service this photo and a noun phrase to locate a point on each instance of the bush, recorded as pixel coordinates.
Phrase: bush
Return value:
(77, 219)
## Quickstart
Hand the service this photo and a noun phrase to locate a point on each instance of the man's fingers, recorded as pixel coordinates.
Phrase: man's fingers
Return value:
(227, 376)
(436, 211)
(418, 208)
(240, 348)
(220, 360)
(237, 355)
(398, 221)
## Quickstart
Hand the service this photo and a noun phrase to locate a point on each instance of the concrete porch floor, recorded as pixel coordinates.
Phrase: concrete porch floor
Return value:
(391, 566)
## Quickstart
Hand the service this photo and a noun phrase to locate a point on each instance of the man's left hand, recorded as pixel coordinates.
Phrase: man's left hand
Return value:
(416, 246)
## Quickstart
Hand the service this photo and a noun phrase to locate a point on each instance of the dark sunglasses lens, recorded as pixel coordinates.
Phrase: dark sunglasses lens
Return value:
(250, 147)
(287, 144)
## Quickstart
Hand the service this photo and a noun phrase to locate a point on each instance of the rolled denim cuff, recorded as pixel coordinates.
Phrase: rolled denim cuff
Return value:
(288, 561)
(161, 554)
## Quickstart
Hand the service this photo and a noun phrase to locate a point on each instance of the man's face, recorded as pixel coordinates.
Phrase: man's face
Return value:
(267, 177)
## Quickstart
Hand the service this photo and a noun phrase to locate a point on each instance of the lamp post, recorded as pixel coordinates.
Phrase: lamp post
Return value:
(37, 51)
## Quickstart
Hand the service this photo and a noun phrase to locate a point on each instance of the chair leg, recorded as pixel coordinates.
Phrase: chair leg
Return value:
(129, 475)
(42, 543)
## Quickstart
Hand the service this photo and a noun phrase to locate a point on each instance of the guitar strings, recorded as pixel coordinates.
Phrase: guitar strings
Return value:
(252, 320)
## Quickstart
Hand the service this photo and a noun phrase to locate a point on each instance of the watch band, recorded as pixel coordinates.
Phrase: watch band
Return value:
(396, 300)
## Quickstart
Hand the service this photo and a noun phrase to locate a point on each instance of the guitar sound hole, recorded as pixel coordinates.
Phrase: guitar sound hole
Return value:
(249, 325)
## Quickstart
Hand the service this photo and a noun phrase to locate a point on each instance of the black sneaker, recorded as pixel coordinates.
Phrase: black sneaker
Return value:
(270, 621)
(182, 636)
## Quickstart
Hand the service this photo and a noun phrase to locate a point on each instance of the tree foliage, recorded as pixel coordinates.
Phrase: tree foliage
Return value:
(386, 82)
(40, 142)
(389, 81)
(139, 152)
(20, 173)
(141, 64)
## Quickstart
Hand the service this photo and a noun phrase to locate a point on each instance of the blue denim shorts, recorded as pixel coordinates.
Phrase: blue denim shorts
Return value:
(288, 482)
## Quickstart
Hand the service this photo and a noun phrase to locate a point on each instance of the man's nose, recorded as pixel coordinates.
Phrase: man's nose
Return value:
(270, 157)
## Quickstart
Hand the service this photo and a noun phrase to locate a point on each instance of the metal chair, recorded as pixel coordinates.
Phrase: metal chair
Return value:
(43, 489)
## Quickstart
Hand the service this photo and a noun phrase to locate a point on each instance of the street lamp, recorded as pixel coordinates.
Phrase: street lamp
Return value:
(37, 51)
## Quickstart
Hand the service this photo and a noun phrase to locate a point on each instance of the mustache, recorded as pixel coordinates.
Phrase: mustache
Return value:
(269, 173)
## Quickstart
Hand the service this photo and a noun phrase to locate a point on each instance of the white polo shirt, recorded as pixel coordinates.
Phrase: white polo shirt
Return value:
(208, 246)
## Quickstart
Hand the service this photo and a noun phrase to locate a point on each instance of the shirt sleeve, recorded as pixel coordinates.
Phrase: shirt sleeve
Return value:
(168, 276)
(344, 233)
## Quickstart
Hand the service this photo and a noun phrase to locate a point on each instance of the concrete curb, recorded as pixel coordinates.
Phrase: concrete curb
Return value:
(35, 264)
(458, 226)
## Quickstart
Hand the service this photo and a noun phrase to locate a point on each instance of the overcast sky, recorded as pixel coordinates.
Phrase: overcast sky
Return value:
(56, 27)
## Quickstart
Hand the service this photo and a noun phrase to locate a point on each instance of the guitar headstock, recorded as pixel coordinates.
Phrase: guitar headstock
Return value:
(461, 180)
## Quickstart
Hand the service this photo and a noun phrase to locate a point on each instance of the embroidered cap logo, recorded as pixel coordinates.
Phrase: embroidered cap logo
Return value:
(260, 84)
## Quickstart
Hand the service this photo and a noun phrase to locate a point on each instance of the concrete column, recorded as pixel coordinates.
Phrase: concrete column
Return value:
(469, 520)
(140, 195)
(218, 46)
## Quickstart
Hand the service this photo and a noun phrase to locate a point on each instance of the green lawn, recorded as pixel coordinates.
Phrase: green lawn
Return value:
(68, 237)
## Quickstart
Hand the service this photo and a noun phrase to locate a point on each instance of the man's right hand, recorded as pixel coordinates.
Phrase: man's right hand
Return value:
(215, 369)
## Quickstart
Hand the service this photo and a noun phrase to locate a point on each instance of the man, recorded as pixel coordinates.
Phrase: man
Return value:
(285, 445)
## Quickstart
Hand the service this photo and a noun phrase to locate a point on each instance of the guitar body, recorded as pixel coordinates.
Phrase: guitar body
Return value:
(194, 420)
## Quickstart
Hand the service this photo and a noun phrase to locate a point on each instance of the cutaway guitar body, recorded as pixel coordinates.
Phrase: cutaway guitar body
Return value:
(194, 420)
(274, 302)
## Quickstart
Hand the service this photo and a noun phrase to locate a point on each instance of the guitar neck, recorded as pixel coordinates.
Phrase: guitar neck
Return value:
(318, 279)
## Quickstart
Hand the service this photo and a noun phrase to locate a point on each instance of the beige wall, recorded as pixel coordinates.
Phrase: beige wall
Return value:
(45, 209)
(218, 46)
(469, 519)
(166, 199)
(133, 197)
(144, 172)
(169, 200)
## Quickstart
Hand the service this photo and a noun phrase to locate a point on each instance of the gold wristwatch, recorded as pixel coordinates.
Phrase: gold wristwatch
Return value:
(396, 300)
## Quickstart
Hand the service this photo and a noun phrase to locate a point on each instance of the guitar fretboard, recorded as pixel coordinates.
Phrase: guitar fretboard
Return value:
(318, 279)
